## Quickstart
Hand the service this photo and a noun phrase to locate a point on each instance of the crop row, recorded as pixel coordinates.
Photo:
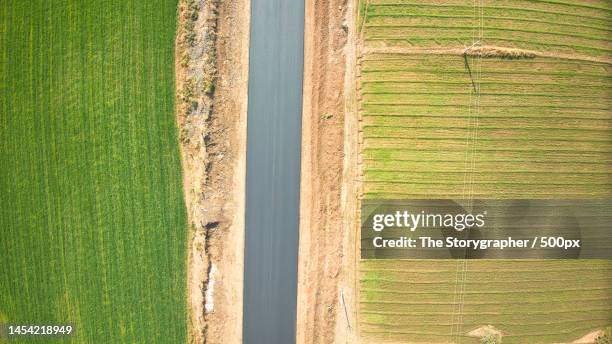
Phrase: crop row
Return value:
(536, 25)
(436, 124)
(432, 138)
(405, 301)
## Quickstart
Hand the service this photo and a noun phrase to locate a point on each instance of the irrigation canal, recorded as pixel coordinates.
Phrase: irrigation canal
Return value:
(276, 64)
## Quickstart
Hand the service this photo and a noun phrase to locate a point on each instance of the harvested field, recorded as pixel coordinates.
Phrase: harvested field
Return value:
(560, 26)
(486, 99)
(92, 218)
(420, 118)
(528, 301)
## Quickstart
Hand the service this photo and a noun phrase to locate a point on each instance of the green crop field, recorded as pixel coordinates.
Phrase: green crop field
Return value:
(92, 221)
(438, 124)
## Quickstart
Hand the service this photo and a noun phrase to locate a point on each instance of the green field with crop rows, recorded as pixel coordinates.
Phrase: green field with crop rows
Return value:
(92, 220)
(438, 124)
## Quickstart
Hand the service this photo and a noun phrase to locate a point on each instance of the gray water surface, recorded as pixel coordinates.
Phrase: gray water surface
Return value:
(273, 171)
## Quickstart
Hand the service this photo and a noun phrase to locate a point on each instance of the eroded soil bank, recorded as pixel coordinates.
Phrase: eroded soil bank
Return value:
(211, 84)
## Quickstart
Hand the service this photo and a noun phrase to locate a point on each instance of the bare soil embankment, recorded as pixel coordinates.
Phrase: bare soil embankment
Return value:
(326, 296)
(211, 84)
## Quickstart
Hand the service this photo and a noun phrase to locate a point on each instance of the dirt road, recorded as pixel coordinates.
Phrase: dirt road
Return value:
(326, 297)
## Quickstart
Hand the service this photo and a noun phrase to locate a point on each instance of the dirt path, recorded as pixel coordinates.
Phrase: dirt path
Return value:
(351, 188)
(326, 302)
(211, 77)
(383, 49)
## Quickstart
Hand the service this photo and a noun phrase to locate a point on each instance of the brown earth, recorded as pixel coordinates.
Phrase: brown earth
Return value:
(211, 83)
(326, 289)
(483, 51)
(589, 338)
(486, 330)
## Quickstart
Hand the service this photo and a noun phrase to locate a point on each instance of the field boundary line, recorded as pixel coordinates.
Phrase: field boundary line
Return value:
(365, 18)
(459, 51)
(495, 38)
